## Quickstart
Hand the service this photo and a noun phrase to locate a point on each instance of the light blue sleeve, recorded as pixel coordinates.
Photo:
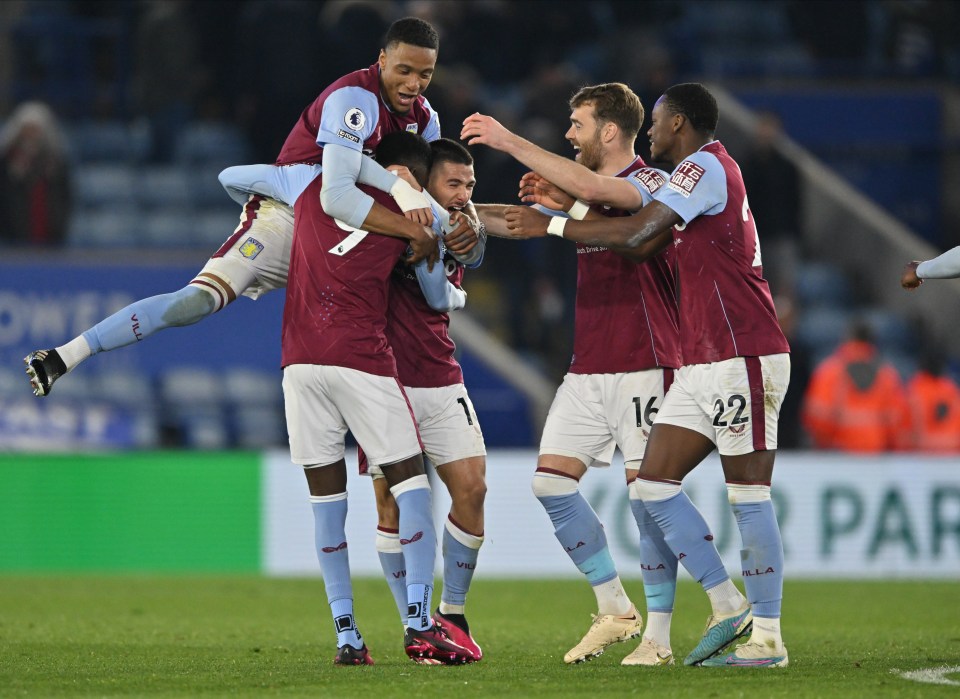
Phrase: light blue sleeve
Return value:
(432, 130)
(648, 181)
(339, 195)
(698, 186)
(284, 183)
(441, 295)
(946, 266)
(349, 117)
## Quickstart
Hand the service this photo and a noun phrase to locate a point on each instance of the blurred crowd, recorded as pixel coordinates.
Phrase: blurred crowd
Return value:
(255, 64)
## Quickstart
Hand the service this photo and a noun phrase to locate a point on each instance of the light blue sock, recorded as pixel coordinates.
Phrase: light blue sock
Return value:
(460, 553)
(418, 537)
(143, 318)
(761, 556)
(390, 554)
(658, 564)
(576, 526)
(330, 516)
(686, 533)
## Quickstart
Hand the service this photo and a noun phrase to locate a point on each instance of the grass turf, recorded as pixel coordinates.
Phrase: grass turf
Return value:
(248, 636)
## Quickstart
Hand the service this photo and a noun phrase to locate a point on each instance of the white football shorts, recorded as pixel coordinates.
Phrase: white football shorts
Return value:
(255, 258)
(448, 424)
(734, 403)
(323, 402)
(593, 414)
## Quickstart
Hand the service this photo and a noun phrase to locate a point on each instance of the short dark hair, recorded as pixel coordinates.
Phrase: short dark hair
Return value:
(414, 31)
(446, 150)
(615, 103)
(696, 103)
(408, 149)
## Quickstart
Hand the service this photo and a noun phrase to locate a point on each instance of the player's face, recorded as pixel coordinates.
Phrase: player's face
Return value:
(584, 136)
(451, 184)
(661, 133)
(405, 72)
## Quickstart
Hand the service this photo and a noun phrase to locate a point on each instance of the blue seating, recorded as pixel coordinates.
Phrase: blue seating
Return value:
(173, 228)
(213, 144)
(108, 228)
(105, 185)
(109, 142)
(164, 187)
(820, 284)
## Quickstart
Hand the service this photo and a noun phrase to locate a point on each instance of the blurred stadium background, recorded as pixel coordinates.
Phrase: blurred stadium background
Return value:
(857, 99)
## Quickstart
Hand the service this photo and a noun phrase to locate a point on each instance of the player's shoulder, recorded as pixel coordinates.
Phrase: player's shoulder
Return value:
(649, 178)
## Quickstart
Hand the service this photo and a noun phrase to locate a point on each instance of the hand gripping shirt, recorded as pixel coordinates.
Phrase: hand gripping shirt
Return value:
(726, 309)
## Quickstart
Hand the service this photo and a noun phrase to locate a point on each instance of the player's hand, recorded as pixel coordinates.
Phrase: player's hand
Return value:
(909, 279)
(536, 190)
(524, 222)
(422, 216)
(465, 236)
(482, 129)
(424, 247)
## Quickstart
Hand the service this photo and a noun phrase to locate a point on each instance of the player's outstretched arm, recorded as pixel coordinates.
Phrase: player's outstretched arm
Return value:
(945, 266)
(645, 233)
(568, 175)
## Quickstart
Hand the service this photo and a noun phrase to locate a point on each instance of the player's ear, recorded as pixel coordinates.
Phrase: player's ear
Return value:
(382, 59)
(678, 121)
(610, 132)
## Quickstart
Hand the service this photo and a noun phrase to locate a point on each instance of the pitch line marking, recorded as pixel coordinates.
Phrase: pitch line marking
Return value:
(933, 675)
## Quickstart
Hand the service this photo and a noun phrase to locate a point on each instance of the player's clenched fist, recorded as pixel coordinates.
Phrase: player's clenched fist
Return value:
(909, 279)
(524, 222)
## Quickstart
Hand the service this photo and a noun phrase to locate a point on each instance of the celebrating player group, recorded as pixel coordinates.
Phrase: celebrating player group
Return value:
(367, 220)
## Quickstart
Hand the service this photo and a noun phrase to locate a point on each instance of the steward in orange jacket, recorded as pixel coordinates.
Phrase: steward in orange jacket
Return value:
(934, 401)
(855, 400)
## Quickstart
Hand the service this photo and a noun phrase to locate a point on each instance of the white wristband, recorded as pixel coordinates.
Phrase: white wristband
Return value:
(556, 225)
(579, 210)
(407, 197)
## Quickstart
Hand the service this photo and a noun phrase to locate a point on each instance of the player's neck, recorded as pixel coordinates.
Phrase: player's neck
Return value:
(615, 162)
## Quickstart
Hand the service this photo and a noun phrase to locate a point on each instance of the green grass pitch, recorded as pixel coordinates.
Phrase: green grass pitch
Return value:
(257, 637)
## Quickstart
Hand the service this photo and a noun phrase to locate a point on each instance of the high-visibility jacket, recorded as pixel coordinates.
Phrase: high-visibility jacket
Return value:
(935, 413)
(856, 402)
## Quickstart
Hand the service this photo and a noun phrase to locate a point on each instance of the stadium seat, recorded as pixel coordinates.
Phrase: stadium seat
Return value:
(213, 144)
(103, 185)
(259, 427)
(820, 284)
(171, 228)
(208, 193)
(892, 332)
(109, 228)
(253, 388)
(821, 329)
(164, 187)
(214, 227)
(109, 142)
(193, 407)
(127, 388)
